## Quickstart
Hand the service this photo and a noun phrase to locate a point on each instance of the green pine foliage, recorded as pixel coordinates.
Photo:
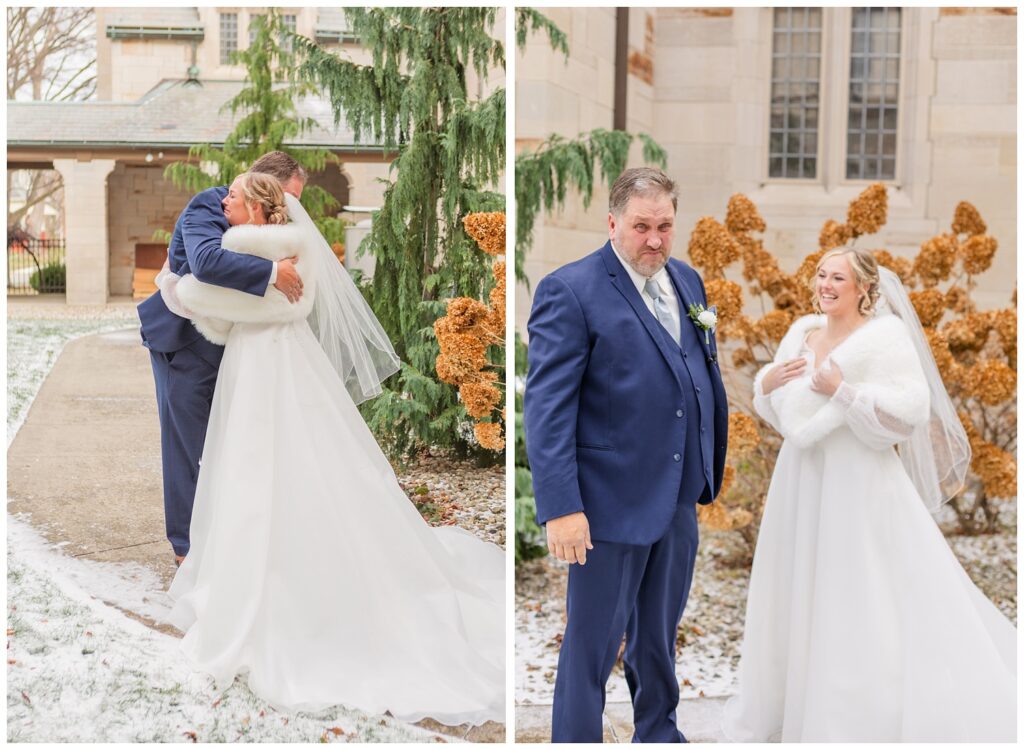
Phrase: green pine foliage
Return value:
(268, 121)
(413, 99)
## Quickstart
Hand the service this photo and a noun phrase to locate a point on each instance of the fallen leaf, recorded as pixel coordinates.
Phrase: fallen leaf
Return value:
(88, 632)
(24, 697)
(336, 731)
(10, 631)
(192, 736)
(687, 683)
(12, 661)
(696, 630)
(701, 694)
(217, 702)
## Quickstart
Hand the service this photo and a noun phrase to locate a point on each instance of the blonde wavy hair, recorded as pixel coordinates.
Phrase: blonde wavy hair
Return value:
(865, 271)
(265, 191)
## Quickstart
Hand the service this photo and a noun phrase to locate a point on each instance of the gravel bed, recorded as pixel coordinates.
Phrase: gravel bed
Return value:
(711, 633)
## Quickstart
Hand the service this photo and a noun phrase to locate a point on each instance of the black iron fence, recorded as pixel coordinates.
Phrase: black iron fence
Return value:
(35, 266)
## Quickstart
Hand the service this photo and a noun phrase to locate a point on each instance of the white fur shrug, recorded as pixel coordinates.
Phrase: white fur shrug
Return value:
(214, 309)
(883, 396)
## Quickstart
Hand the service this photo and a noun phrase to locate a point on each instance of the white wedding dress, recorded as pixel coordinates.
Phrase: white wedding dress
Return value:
(310, 572)
(861, 625)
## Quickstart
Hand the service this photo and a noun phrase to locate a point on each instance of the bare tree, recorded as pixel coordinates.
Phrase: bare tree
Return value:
(51, 56)
(51, 53)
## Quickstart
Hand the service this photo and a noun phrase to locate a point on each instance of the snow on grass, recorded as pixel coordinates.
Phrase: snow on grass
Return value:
(78, 669)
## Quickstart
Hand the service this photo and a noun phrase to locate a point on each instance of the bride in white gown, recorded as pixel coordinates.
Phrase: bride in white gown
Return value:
(309, 569)
(861, 624)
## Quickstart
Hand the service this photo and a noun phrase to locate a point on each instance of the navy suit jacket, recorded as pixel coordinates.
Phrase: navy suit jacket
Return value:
(603, 401)
(195, 248)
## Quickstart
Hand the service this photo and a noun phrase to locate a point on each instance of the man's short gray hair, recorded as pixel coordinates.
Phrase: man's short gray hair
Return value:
(641, 181)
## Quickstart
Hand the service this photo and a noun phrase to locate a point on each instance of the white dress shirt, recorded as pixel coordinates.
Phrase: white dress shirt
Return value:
(661, 278)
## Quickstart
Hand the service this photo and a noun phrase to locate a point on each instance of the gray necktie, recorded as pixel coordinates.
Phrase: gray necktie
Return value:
(661, 311)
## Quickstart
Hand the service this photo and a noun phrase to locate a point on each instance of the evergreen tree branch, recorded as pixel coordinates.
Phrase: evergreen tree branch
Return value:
(530, 20)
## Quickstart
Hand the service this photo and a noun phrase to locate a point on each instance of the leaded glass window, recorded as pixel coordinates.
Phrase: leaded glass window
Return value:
(228, 36)
(796, 84)
(874, 93)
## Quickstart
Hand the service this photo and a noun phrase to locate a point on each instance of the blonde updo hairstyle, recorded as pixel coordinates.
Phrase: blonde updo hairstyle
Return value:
(865, 271)
(264, 191)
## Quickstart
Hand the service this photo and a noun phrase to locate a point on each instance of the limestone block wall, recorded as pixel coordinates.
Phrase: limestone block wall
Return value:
(139, 202)
(973, 124)
(569, 97)
(703, 91)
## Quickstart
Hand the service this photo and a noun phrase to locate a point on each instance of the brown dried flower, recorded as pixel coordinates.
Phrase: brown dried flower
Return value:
(868, 211)
(742, 357)
(479, 399)
(969, 333)
(728, 296)
(959, 300)
(716, 517)
(996, 469)
(833, 234)
(1005, 324)
(742, 215)
(935, 261)
(712, 248)
(930, 305)
(488, 229)
(967, 220)
(977, 253)
(773, 326)
(489, 435)
(744, 436)
(464, 313)
(899, 266)
(948, 367)
(990, 381)
(463, 352)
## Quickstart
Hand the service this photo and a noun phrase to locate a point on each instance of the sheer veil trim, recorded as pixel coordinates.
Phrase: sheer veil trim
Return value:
(937, 454)
(342, 321)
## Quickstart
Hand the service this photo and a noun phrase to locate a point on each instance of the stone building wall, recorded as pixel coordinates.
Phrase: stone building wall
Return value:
(140, 201)
(699, 81)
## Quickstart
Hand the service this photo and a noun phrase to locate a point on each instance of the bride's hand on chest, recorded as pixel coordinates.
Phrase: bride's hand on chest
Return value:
(826, 379)
(782, 373)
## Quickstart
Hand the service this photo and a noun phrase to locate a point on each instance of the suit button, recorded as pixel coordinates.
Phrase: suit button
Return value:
(706, 470)
(702, 430)
(679, 412)
(698, 389)
(684, 355)
(676, 457)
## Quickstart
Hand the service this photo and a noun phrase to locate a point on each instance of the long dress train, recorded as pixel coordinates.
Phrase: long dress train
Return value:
(311, 571)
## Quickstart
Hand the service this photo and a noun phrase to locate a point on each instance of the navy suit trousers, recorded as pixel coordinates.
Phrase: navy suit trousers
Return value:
(185, 380)
(639, 591)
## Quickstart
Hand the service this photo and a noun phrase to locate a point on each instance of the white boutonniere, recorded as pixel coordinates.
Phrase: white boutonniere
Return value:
(706, 320)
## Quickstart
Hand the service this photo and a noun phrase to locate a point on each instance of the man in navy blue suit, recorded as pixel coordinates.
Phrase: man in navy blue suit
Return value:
(184, 363)
(626, 423)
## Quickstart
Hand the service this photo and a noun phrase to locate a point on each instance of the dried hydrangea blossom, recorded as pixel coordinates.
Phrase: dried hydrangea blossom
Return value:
(489, 435)
(969, 333)
(728, 297)
(773, 326)
(480, 399)
(742, 216)
(990, 381)
(744, 436)
(949, 368)
(934, 262)
(712, 248)
(959, 300)
(902, 267)
(488, 229)
(869, 211)
(977, 253)
(996, 469)
(967, 220)
(833, 234)
(930, 306)
(465, 313)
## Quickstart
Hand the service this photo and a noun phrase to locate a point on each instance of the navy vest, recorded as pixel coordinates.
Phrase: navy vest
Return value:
(698, 407)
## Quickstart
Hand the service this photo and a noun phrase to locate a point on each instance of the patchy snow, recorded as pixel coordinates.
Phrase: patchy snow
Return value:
(78, 669)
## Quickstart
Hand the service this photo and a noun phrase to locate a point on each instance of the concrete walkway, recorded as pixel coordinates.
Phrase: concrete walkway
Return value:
(85, 466)
(699, 719)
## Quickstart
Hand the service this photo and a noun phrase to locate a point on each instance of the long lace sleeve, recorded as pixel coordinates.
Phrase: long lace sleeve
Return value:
(870, 423)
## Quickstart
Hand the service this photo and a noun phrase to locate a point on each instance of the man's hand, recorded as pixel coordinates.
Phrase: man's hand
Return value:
(288, 280)
(569, 537)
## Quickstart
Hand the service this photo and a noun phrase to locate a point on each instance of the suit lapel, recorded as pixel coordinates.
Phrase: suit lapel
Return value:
(621, 281)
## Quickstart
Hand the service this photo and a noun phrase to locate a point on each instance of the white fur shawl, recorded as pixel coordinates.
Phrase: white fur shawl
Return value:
(214, 309)
(878, 359)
